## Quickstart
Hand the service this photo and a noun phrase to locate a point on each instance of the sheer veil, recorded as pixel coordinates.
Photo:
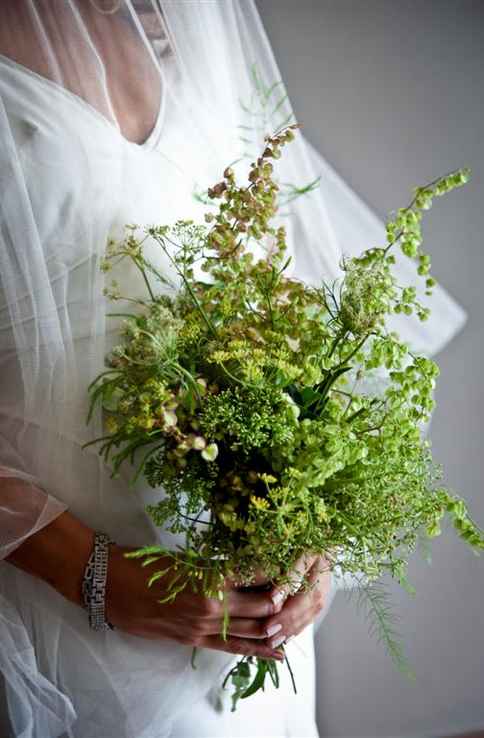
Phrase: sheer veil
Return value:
(174, 89)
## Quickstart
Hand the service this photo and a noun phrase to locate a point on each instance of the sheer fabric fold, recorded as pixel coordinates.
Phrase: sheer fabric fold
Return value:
(108, 118)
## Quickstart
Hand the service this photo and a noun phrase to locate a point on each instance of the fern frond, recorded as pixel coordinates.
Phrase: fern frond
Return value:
(375, 598)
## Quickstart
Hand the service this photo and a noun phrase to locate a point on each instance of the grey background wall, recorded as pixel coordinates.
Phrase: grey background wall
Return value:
(390, 92)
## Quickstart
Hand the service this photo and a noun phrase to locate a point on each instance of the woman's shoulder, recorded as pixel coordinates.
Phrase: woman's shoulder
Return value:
(19, 39)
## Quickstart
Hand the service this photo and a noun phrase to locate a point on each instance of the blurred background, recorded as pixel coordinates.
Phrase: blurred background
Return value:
(390, 92)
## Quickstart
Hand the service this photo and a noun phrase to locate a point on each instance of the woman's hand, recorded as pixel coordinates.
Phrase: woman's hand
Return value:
(300, 608)
(191, 618)
(58, 554)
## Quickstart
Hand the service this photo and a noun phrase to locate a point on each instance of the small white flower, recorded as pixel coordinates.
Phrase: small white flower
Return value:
(293, 343)
(170, 419)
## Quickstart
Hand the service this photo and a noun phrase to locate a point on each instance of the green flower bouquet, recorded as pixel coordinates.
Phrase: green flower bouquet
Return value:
(243, 396)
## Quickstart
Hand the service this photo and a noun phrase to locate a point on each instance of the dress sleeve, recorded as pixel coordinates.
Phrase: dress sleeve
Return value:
(29, 342)
(25, 508)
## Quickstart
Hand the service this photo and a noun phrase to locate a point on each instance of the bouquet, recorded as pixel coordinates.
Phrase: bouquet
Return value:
(248, 398)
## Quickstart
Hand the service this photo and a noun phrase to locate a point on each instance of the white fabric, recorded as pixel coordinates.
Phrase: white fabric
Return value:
(74, 168)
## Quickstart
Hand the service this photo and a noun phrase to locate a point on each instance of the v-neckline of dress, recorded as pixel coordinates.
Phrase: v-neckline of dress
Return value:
(149, 142)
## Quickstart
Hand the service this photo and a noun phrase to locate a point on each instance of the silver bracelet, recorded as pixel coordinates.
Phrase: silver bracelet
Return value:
(94, 583)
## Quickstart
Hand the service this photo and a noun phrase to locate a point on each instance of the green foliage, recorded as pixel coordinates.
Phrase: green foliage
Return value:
(382, 623)
(249, 675)
(243, 396)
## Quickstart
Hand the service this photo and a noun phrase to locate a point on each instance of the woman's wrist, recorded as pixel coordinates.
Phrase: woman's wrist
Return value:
(58, 554)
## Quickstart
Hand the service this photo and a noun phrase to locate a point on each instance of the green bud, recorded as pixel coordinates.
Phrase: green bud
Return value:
(210, 453)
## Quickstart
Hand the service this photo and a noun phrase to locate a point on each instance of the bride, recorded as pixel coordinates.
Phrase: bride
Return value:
(116, 112)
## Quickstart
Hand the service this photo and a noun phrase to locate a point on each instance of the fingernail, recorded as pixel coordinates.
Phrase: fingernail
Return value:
(277, 641)
(277, 655)
(277, 597)
(273, 629)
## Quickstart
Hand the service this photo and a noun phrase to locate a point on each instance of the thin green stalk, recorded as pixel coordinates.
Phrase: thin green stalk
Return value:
(188, 287)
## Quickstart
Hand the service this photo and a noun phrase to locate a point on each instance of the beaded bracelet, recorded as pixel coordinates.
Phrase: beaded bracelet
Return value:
(94, 583)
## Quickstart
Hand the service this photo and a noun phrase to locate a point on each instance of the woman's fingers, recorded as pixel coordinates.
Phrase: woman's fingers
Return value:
(252, 604)
(242, 646)
(239, 603)
(241, 627)
(296, 577)
(302, 608)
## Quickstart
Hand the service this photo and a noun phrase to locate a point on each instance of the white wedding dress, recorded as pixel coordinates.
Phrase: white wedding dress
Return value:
(69, 180)
(111, 685)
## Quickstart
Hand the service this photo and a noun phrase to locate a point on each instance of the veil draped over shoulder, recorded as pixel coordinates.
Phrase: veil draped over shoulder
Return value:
(117, 111)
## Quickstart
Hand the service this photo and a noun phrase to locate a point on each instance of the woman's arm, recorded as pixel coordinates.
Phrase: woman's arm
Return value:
(59, 552)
